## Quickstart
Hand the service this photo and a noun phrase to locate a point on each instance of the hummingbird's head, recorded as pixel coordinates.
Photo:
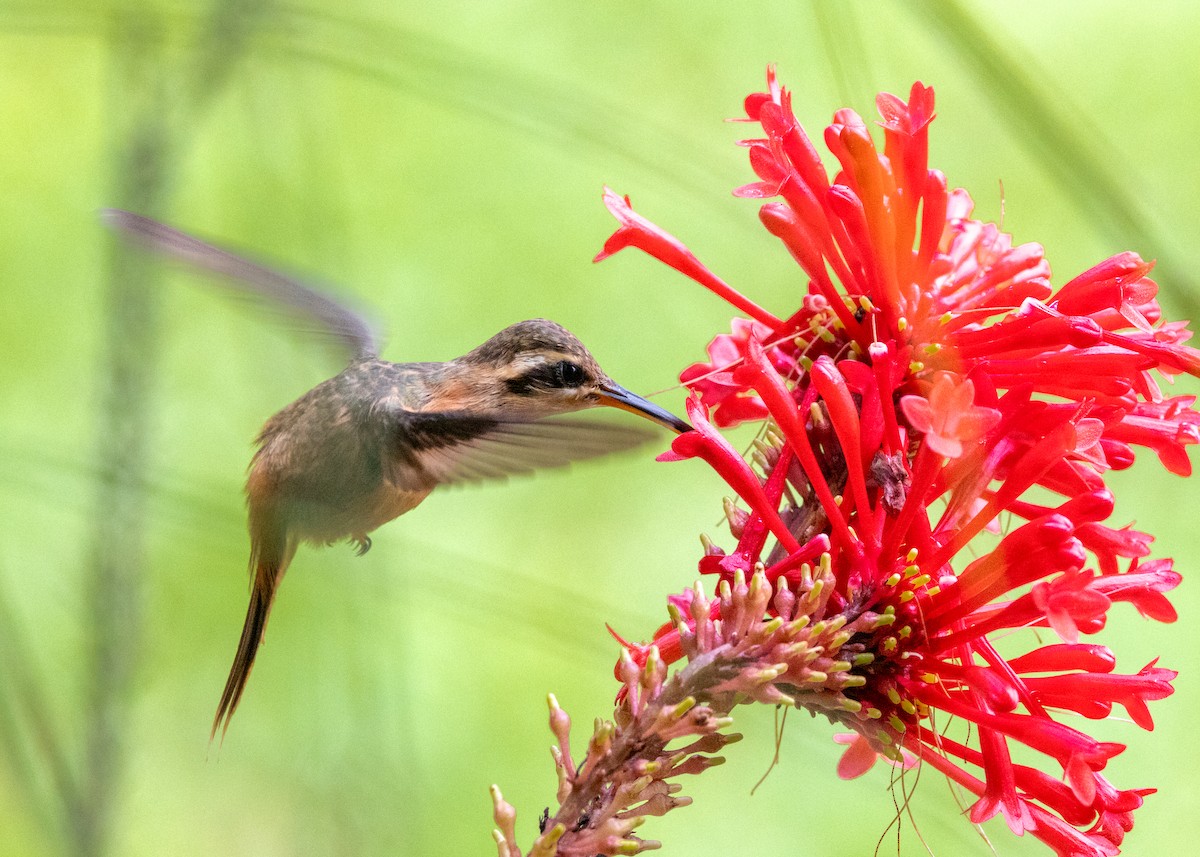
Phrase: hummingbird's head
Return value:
(539, 368)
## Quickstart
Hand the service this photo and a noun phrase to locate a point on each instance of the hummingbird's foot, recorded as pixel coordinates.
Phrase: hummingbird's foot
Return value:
(362, 543)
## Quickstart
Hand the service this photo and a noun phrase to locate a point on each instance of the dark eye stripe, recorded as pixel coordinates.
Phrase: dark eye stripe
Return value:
(561, 375)
(539, 378)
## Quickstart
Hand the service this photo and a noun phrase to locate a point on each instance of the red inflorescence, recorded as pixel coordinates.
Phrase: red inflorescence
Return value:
(934, 391)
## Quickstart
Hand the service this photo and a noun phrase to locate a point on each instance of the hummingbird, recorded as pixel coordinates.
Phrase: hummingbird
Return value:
(371, 443)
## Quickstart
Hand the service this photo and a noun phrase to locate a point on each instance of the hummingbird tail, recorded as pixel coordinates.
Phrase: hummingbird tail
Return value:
(270, 554)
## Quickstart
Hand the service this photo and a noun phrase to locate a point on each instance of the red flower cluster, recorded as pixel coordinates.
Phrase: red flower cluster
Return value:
(930, 386)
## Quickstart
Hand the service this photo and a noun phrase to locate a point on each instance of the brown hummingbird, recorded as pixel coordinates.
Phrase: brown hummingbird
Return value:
(370, 443)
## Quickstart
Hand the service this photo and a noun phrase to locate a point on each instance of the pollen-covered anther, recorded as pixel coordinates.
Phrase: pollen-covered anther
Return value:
(764, 675)
(797, 625)
(839, 639)
(768, 447)
(883, 620)
(736, 517)
(601, 740)
(646, 766)
(797, 651)
(765, 630)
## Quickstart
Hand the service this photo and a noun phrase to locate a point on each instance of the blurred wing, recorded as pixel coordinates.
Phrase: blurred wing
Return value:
(432, 449)
(342, 323)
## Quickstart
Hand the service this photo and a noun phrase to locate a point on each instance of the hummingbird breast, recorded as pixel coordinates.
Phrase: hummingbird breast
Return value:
(320, 468)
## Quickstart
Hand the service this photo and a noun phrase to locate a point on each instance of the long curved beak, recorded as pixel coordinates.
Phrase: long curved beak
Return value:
(616, 396)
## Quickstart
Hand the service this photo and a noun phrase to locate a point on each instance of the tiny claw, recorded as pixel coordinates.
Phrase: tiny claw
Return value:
(363, 544)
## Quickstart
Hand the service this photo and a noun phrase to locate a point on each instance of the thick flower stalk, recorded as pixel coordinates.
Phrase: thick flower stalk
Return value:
(937, 423)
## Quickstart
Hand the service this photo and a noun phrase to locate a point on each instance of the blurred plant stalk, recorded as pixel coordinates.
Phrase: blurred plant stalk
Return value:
(157, 97)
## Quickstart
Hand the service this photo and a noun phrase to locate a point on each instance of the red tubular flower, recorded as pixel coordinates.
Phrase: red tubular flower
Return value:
(928, 381)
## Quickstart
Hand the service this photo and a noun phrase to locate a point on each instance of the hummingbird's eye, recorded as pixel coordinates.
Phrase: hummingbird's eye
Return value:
(569, 374)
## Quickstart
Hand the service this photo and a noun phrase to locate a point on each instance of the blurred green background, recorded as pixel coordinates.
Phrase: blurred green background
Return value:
(444, 163)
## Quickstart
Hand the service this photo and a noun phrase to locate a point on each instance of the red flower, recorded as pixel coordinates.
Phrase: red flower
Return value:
(928, 381)
(948, 418)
